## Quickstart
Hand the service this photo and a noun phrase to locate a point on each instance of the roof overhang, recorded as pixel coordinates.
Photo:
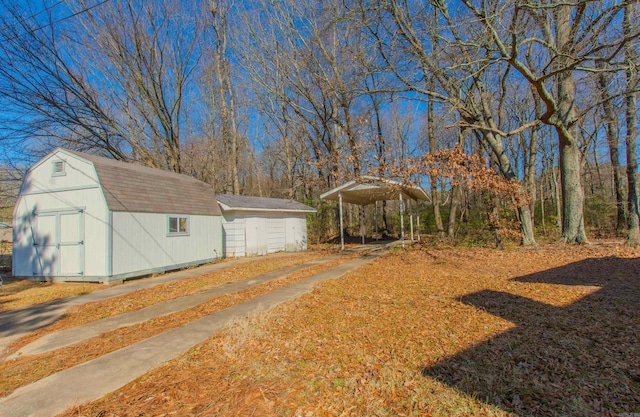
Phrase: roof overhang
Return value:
(226, 207)
(367, 190)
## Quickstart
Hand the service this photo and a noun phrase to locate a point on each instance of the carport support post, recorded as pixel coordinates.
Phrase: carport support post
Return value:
(418, 215)
(341, 227)
(375, 216)
(362, 223)
(401, 220)
(411, 218)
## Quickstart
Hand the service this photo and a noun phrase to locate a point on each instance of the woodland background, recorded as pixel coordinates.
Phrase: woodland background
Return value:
(515, 116)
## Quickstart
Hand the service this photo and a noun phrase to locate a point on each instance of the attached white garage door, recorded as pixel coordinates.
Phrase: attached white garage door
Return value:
(256, 235)
(275, 234)
(234, 236)
(296, 233)
(59, 243)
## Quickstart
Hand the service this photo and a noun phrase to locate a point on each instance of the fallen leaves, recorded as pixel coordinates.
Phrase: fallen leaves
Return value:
(86, 313)
(545, 332)
(20, 293)
(24, 370)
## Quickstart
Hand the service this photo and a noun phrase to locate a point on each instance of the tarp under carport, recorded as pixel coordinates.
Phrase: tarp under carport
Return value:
(368, 190)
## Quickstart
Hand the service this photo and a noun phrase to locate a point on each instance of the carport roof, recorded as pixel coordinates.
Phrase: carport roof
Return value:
(367, 190)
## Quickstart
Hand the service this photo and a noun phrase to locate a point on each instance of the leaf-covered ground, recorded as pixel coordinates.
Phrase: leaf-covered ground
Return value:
(24, 370)
(85, 313)
(544, 332)
(20, 293)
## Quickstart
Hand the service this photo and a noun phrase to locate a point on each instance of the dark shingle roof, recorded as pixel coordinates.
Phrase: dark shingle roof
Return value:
(238, 202)
(135, 188)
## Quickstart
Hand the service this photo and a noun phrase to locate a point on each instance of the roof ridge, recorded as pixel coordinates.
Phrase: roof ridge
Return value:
(131, 164)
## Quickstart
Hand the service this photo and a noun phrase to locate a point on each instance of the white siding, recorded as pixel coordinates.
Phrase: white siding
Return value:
(275, 233)
(141, 242)
(43, 193)
(234, 235)
(253, 233)
(296, 232)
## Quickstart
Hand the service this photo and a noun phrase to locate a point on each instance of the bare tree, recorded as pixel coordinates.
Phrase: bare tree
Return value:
(310, 63)
(629, 25)
(455, 71)
(223, 109)
(567, 37)
(112, 80)
(611, 131)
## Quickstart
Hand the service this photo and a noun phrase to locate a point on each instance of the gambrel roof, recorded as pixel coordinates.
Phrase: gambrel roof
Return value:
(134, 188)
(244, 203)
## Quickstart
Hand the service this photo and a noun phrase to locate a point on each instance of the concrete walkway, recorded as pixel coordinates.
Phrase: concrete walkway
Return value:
(94, 379)
(17, 323)
(67, 337)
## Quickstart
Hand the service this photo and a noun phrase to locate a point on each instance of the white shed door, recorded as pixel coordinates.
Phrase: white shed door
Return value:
(256, 235)
(71, 244)
(45, 244)
(59, 245)
(275, 234)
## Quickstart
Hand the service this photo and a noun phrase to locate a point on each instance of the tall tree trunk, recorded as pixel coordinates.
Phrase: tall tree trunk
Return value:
(456, 196)
(380, 151)
(433, 182)
(453, 210)
(527, 214)
(632, 131)
(353, 147)
(614, 154)
(542, 213)
(226, 101)
(503, 162)
(572, 194)
(558, 199)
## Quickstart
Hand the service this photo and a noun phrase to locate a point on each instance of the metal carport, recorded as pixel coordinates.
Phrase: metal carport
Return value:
(368, 190)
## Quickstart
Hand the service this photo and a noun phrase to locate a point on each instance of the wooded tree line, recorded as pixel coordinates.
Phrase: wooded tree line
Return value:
(287, 99)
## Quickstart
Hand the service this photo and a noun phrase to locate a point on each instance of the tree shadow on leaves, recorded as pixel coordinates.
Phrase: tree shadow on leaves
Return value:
(579, 359)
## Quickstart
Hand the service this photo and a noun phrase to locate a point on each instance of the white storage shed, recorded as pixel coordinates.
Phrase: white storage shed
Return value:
(258, 226)
(81, 217)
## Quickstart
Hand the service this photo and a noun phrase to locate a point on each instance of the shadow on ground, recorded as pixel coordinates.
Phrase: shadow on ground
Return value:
(17, 322)
(580, 359)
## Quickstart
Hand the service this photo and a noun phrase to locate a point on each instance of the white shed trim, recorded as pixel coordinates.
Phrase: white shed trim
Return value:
(122, 228)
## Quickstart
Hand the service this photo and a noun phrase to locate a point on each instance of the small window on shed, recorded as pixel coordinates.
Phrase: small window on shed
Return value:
(178, 225)
(58, 169)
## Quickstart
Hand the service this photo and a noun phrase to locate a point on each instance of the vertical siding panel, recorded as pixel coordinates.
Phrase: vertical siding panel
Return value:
(141, 243)
(234, 235)
(275, 233)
